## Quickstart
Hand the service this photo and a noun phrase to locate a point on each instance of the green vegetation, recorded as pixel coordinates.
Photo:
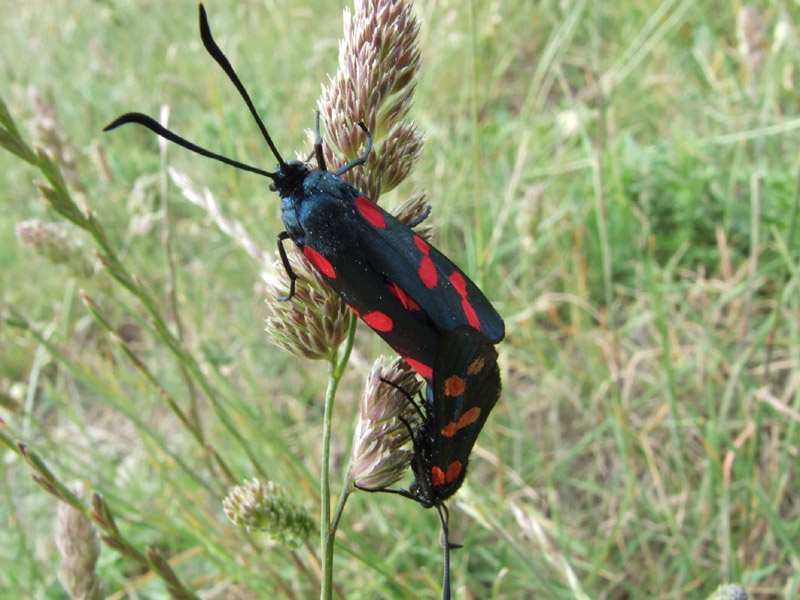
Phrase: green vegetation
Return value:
(623, 184)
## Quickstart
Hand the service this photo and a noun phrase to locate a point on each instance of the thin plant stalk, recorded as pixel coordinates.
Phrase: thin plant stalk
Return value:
(327, 530)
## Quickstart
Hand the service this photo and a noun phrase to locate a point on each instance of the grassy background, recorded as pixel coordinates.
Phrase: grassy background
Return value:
(622, 179)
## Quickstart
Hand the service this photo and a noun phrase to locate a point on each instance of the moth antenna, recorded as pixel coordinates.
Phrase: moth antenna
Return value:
(157, 128)
(222, 61)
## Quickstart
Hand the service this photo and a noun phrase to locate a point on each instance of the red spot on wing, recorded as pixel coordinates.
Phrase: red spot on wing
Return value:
(378, 321)
(424, 370)
(458, 281)
(406, 300)
(437, 476)
(460, 284)
(427, 272)
(370, 211)
(422, 245)
(319, 261)
(472, 316)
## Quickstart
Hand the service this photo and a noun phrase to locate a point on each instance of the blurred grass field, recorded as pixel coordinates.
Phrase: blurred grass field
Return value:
(620, 178)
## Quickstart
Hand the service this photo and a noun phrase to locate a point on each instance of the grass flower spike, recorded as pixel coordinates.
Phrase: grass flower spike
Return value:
(315, 322)
(729, 592)
(53, 242)
(78, 546)
(267, 507)
(379, 457)
(378, 64)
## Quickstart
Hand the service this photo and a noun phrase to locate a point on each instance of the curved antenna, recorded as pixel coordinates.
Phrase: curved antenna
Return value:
(159, 129)
(222, 61)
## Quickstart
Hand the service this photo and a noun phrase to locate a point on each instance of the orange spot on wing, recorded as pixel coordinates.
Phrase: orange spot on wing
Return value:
(437, 476)
(450, 429)
(453, 471)
(476, 366)
(467, 419)
(454, 386)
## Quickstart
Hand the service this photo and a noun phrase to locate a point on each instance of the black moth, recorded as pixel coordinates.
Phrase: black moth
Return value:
(401, 286)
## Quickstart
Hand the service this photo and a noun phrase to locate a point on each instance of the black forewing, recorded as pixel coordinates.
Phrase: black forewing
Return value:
(367, 259)
(393, 253)
(330, 223)
(365, 292)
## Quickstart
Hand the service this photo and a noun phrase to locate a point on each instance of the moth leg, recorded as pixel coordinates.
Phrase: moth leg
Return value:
(403, 493)
(283, 235)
